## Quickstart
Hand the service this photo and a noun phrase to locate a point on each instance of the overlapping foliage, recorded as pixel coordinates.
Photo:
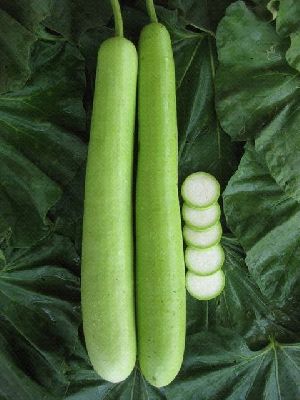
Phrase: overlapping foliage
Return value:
(237, 69)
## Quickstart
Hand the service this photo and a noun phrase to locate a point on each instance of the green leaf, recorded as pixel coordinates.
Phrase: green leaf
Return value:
(67, 18)
(25, 192)
(219, 365)
(68, 211)
(279, 142)
(287, 24)
(288, 17)
(16, 384)
(242, 307)
(29, 13)
(40, 147)
(71, 19)
(39, 316)
(245, 309)
(16, 42)
(203, 145)
(267, 223)
(257, 93)
(293, 53)
(203, 15)
(252, 68)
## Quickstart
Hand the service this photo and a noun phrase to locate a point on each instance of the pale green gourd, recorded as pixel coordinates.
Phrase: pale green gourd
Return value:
(107, 285)
(161, 304)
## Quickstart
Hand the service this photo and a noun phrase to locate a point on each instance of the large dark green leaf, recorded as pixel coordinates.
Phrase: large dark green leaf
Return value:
(293, 53)
(218, 365)
(16, 384)
(68, 212)
(65, 17)
(257, 92)
(203, 145)
(29, 13)
(242, 306)
(15, 46)
(39, 316)
(267, 223)
(287, 24)
(245, 309)
(203, 15)
(40, 147)
(24, 21)
(288, 17)
(73, 18)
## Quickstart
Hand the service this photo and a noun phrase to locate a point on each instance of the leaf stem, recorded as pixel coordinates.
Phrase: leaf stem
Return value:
(117, 17)
(151, 11)
(213, 74)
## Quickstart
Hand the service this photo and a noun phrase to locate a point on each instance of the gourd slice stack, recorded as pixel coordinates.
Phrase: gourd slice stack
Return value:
(202, 232)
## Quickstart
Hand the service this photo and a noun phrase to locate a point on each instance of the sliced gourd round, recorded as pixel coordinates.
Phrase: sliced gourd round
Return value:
(200, 189)
(205, 287)
(202, 238)
(201, 218)
(204, 261)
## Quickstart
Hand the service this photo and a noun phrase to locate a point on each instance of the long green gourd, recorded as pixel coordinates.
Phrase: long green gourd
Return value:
(107, 249)
(161, 296)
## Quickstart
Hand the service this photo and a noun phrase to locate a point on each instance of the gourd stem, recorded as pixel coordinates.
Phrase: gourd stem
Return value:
(117, 17)
(151, 11)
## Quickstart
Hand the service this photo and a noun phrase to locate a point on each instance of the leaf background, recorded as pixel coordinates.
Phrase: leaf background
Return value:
(243, 344)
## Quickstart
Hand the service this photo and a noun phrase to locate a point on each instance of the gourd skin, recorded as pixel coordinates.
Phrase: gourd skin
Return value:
(107, 250)
(161, 296)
